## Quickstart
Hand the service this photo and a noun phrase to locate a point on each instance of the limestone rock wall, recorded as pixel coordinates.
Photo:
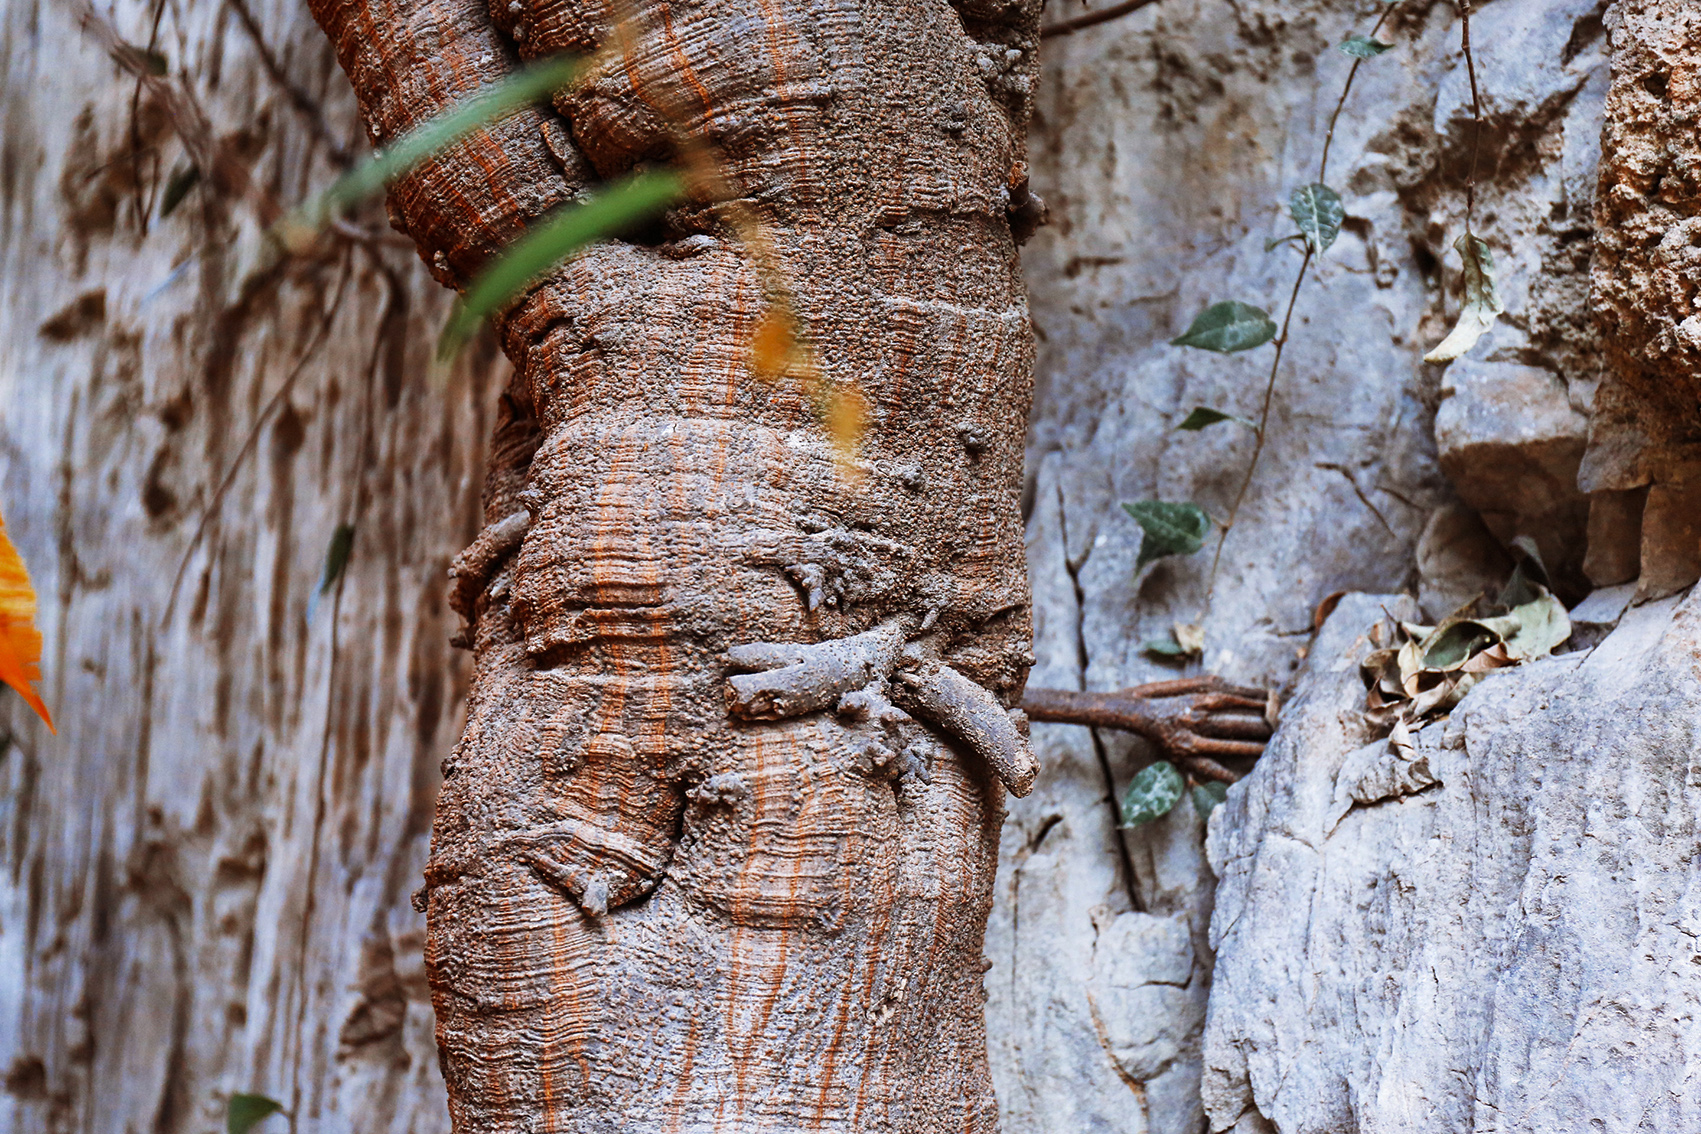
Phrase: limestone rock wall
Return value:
(1514, 948)
(1166, 144)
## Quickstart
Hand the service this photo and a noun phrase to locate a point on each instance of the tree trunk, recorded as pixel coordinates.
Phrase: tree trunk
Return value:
(662, 898)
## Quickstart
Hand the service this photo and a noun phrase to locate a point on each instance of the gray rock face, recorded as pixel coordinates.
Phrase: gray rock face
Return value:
(1166, 144)
(1513, 945)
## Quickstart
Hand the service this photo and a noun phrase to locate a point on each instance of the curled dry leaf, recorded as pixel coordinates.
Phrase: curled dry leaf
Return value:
(20, 641)
(1327, 607)
(1432, 667)
(1481, 303)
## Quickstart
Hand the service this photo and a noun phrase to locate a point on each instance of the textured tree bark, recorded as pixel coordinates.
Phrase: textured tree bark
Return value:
(659, 899)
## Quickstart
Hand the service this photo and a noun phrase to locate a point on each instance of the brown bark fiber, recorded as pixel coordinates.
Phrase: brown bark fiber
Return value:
(648, 912)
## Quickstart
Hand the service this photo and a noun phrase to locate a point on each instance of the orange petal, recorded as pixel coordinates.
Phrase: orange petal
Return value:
(773, 348)
(20, 641)
(847, 420)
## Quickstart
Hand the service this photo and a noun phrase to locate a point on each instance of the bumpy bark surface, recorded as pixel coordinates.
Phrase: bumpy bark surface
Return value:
(659, 899)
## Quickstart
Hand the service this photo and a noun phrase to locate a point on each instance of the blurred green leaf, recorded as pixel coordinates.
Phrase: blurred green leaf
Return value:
(1363, 47)
(1208, 796)
(601, 214)
(1227, 327)
(1164, 648)
(1529, 576)
(1318, 212)
(1169, 529)
(337, 556)
(177, 186)
(140, 60)
(1155, 789)
(1203, 416)
(244, 1111)
(376, 173)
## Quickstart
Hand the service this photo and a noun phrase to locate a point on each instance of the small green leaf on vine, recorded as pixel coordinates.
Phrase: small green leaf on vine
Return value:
(1203, 416)
(1227, 327)
(1154, 790)
(1318, 211)
(1363, 47)
(243, 1112)
(1167, 648)
(1208, 796)
(1481, 303)
(1168, 529)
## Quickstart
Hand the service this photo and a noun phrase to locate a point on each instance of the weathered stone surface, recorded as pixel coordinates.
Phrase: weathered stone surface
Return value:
(1166, 144)
(1510, 443)
(1646, 428)
(1514, 948)
(1671, 538)
(1615, 536)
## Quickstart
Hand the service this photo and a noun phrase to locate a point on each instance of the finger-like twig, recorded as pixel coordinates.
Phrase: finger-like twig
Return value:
(1217, 720)
(971, 715)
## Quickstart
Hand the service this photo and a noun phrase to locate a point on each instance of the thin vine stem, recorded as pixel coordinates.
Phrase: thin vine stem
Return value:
(1476, 111)
(1261, 431)
(1263, 422)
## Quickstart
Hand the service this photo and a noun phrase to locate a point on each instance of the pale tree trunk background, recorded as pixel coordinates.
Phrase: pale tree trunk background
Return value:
(204, 879)
(206, 874)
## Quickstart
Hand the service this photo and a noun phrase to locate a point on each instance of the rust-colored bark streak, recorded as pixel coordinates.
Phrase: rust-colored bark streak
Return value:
(647, 913)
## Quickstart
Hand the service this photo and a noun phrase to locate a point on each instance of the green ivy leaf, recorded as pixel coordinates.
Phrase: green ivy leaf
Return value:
(1481, 303)
(600, 214)
(1363, 47)
(1156, 788)
(140, 60)
(1208, 796)
(1227, 327)
(1203, 416)
(336, 556)
(1164, 648)
(244, 1111)
(1318, 212)
(177, 186)
(1168, 529)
